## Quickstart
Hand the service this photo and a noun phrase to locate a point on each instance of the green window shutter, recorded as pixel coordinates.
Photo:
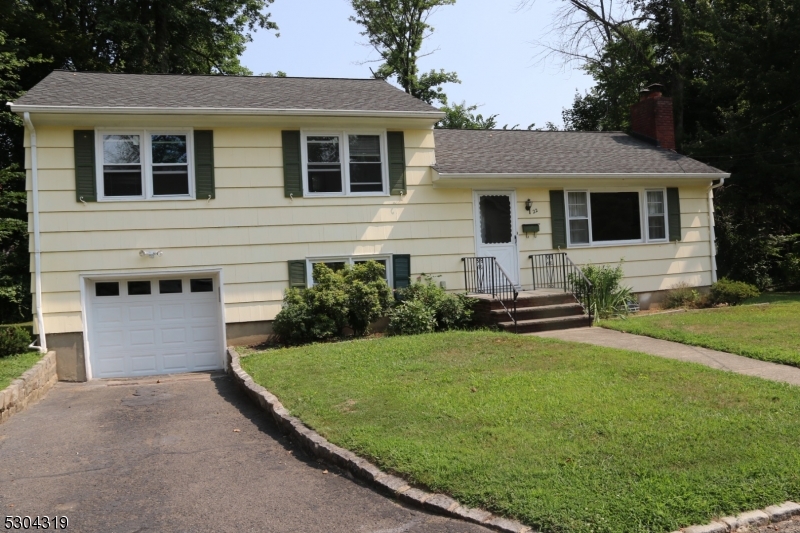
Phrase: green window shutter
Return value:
(558, 219)
(85, 177)
(401, 267)
(674, 213)
(204, 164)
(292, 167)
(397, 162)
(297, 273)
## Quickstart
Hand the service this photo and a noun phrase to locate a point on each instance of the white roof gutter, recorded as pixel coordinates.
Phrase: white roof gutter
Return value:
(249, 111)
(583, 175)
(37, 248)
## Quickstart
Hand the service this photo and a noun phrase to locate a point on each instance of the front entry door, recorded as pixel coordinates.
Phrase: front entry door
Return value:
(495, 229)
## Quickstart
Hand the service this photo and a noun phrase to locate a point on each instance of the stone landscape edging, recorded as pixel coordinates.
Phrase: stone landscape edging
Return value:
(319, 447)
(30, 387)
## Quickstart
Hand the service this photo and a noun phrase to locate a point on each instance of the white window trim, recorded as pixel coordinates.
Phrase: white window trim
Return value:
(147, 167)
(344, 155)
(350, 260)
(643, 218)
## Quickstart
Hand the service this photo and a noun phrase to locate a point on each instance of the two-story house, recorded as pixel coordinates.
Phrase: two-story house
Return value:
(168, 213)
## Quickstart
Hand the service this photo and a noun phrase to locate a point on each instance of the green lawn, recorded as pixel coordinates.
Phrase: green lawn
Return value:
(562, 436)
(767, 332)
(14, 366)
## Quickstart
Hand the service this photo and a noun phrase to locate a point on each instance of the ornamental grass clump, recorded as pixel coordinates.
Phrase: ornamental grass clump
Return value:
(609, 297)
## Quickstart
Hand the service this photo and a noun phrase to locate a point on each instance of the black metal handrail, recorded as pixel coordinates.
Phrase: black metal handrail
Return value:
(557, 271)
(484, 275)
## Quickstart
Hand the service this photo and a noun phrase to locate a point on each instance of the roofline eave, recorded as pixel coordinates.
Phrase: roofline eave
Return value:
(246, 111)
(577, 176)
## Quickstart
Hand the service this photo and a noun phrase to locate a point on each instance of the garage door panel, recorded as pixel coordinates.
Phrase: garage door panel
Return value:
(175, 362)
(173, 335)
(110, 339)
(108, 314)
(172, 311)
(205, 333)
(146, 334)
(142, 337)
(204, 310)
(206, 360)
(141, 313)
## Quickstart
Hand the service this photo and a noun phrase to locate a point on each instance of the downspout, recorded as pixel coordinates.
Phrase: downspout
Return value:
(713, 236)
(37, 249)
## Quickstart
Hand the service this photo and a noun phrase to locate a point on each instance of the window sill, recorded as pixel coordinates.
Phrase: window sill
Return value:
(343, 195)
(616, 243)
(143, 199)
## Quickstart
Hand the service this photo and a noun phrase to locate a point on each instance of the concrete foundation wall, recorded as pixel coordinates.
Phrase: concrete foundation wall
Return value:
(70, 359)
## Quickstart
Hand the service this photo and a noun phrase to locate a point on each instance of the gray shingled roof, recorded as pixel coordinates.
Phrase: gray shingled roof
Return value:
(92, 89)
(555, 152)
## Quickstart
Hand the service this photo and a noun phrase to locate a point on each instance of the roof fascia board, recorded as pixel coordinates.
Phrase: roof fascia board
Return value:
(609, 175)
(436, 115)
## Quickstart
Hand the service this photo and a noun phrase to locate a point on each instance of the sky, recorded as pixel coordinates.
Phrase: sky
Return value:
(489, 43)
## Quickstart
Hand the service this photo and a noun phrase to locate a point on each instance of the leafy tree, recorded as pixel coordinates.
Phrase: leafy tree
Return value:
(462, 117)
(397, 29)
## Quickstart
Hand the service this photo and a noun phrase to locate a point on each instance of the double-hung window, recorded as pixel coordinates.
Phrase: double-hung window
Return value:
(139, 165)
(616, 217)
(344, 163)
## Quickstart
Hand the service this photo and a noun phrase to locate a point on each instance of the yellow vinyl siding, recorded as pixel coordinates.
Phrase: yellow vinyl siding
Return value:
(250, 230)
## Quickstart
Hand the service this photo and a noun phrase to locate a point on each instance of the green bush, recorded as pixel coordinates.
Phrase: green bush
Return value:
(14, 340)
(609, 297)
(352, 297)
(681, 295)
(411, 317)
(450, 311)
(730, 292)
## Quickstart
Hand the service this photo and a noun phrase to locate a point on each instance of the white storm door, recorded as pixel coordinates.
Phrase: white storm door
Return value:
(495, 229)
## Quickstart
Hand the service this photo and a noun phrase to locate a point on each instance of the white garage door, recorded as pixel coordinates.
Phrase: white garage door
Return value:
(164, 325)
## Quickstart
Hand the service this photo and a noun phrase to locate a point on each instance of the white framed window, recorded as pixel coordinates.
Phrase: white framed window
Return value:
(604, 217)
(344, 163)
(144, 165)
(338, 263)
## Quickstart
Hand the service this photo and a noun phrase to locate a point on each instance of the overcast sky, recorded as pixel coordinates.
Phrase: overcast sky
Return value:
(487, 42)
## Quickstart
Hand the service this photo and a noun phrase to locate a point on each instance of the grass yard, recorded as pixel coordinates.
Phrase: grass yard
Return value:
(14, 366)
(767, 332)
(566, 437)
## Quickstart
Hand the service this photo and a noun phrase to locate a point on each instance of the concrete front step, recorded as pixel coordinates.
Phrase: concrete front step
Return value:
(537, 301)
(540, 311)
(547, 324)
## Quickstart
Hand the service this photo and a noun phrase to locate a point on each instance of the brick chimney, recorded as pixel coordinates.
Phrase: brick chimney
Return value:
(651, 117)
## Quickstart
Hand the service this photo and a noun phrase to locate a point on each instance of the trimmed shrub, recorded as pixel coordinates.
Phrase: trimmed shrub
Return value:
(730, 292)
(451, 311)
(681, 295)
(352, 297)
(411, 317)
(14, 340)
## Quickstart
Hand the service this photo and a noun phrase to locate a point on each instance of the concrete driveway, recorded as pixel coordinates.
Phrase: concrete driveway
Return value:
(141, 456)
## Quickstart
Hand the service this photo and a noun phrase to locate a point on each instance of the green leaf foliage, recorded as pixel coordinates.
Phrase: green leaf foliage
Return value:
(397, 30)
(354, 296)
(730, 292)
(449, 311)
(14, 340)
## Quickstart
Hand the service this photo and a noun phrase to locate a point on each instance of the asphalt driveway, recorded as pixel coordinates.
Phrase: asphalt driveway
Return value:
(144, 456)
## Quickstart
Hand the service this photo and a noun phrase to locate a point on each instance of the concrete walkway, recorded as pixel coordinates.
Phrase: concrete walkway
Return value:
(682, 352)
